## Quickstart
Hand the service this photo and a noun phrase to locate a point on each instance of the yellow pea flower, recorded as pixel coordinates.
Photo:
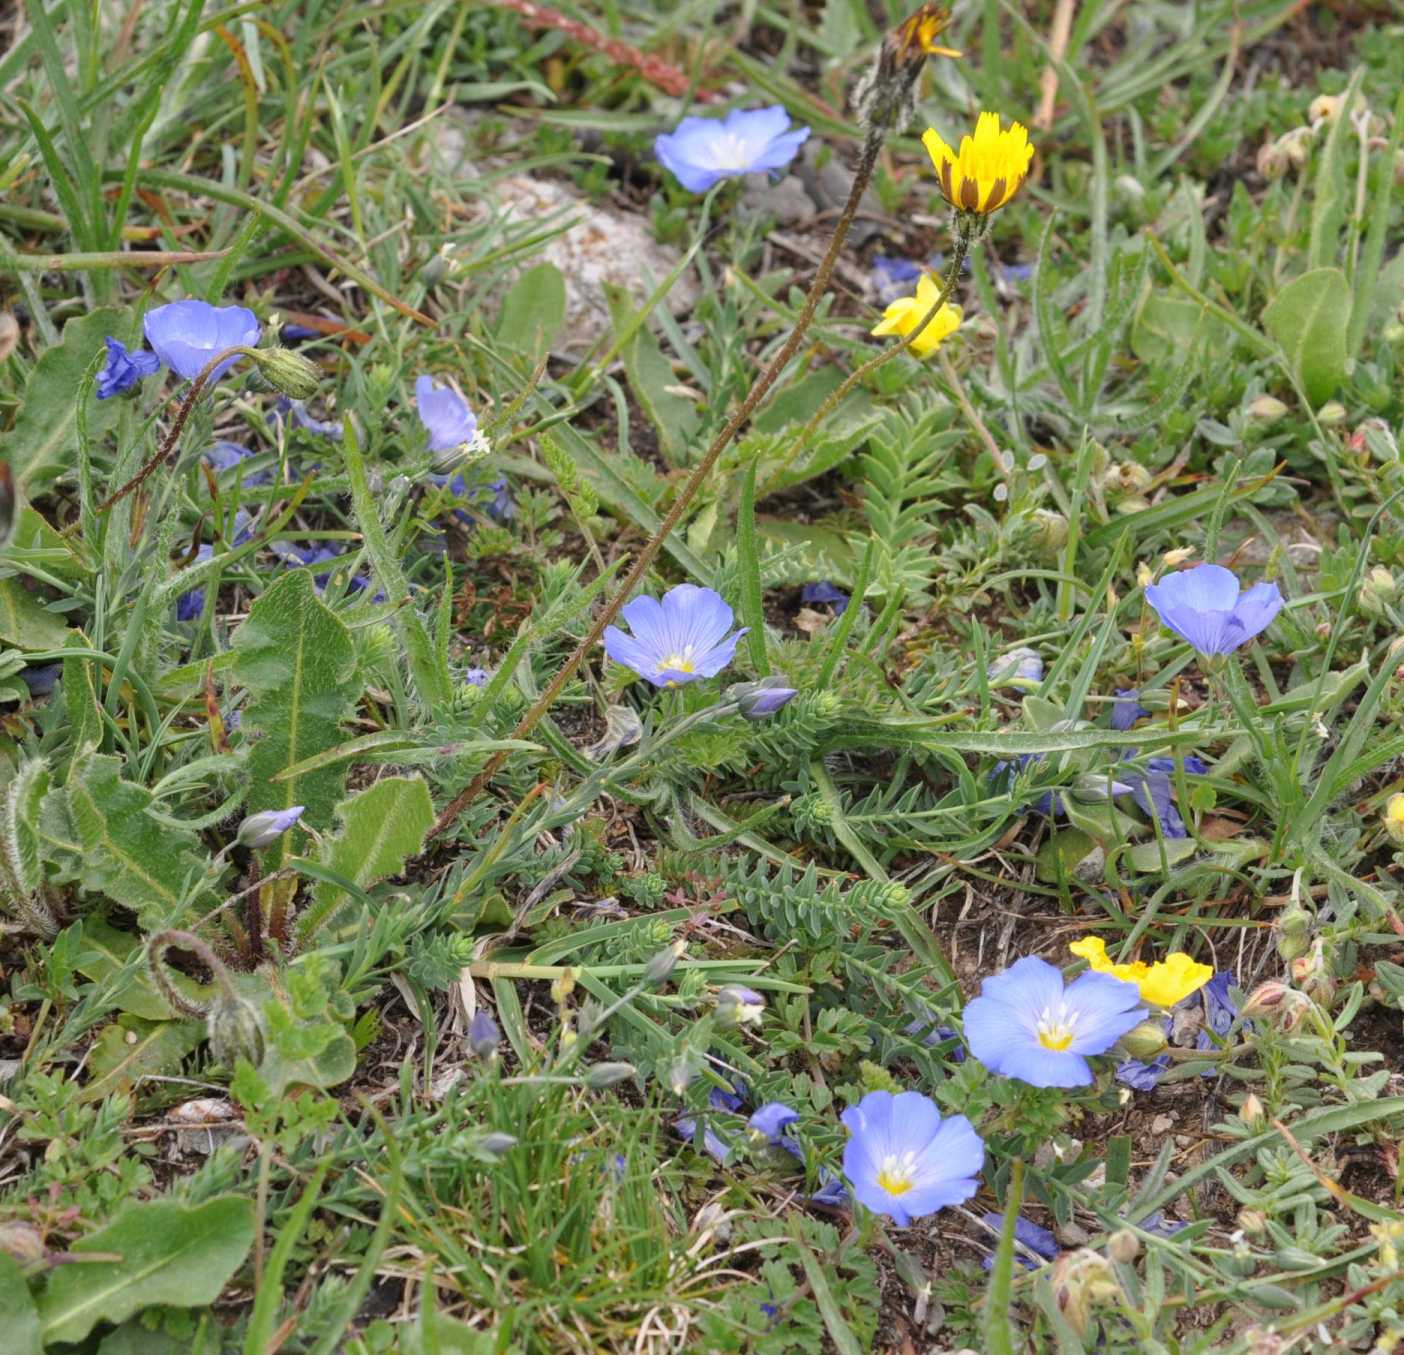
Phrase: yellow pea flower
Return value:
(989, 168)
(906, 313)
(1394, 817)
(1162, 984)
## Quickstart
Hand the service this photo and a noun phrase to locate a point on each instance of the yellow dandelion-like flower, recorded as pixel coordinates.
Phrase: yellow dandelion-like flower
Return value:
(906, 313)
(1162, 984)
(989, 168)
(924, 27)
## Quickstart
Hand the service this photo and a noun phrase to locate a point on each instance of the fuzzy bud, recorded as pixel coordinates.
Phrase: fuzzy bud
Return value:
(1266, 409)
(1251, 1112)
(1252, 1221)
(1272, 160)
(23, 1242)
(264, 829)
(235, 1030)
(1145, 1041)
(1331, 413)
(497, 1143)
(661, 965)
(1123, 1246)
(1276, 1002)
(1377, 590)
(1082, 1280)
(1051, 529)
(607, 1074)
(295, 376)
(1293, 930)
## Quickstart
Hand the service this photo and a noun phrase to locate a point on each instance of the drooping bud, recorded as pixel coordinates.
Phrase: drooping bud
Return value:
(295, 376)
(760, 700)
(623, 728)
(483, 1035)
(235, 1030)
(1145, 1041)
(885, 97)
(661, 965)
(264, 829)
(736, 1006)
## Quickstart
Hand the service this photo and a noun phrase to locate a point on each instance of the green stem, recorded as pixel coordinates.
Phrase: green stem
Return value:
(871, 146)
(429, 674)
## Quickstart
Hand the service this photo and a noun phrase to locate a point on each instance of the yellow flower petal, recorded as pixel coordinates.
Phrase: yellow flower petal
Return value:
(1394, 810)
(906, 313)
(1174, 978)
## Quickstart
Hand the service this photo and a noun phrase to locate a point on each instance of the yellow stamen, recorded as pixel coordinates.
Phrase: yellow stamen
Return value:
(894, 1185)
(1059, 1038)
(675, 663)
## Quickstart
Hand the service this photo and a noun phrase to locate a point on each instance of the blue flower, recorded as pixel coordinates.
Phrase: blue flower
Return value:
(904, 1160)
(187, 334)
(1030, 1235)
(1154, 790)
(1204, 606)
(760, 700)
(297, 556)
(476, 677)
(40, 678)
(190, 605)
(1027, 1024)
(771, 1121)
(484, 1035)
(681, 639)
(831, 1192)
(893, 278)
(712, 1143)
(124, 369)
(1127, 709)
(702, 151)
(498, 496)
(225, 455)
(817, 594)
(922, 1029)
(1021, 667)
(283, 406)
(444, 414)
(263, 830)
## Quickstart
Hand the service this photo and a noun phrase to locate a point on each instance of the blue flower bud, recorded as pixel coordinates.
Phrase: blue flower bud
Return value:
(263, 830)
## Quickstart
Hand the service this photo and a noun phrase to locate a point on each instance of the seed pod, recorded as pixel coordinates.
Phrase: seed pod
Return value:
(235, 1031)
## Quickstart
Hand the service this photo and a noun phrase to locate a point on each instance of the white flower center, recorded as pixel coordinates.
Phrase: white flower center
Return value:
(1056, 1027)
(897, 1174)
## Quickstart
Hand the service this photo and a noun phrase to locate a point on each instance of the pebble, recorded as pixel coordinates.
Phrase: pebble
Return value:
(1162, 1124)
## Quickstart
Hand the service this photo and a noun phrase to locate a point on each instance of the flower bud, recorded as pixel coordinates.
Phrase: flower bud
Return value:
(736, 1006)
(23, 1242)
(483, 1035)
(1325, 107)
(1081, 1280)
(760, 700)
(497, 1143)
(1123, 1246)
(264, 829)
(1252, 1221)
(1145, 1041)
(661, 965)
(1377, 590)
(1331, 413)
(1266, 409)
(297, 377)
(1272, 160)
(434, 271)
(1293, 928)
(235, 1030)
(1021, 667)
(607, 1074)
(1051, 528)
(1276, 1002)
(1251, 1112)
(1296, 144)
(1312, 975)
(681, 1073)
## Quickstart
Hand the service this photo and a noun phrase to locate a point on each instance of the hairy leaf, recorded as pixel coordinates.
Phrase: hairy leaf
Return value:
(1309, 317)
(98, 830)
(382, 827)
(299, 664)
(131, 1048)
(172, 1253)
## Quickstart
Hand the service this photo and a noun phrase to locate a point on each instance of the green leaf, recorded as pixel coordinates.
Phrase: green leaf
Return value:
(1309, 319)
(382, 827)
(299, 664)
(83, 699)
(44, 439)
(171, 1253)
(97, 828)
(1167, 327)
(21, 1316)
(131, 1048)
(533, 311)
(25, 622)
(650, 375)
(34, 541)
(840, 1333)
(1330, 191)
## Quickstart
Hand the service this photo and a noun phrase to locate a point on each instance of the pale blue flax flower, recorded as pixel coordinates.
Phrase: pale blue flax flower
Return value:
(702, 151)
(1205, 606)
(903, 1160)
(263, 830)
(187, 334)
(680, 639)
(123, 369)
(444, 414)
(1027, 1024)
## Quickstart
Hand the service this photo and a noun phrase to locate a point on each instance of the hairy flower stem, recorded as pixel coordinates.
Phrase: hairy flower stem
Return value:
(156, 959)
(962, 247)
(866, 162)
(173, 437)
